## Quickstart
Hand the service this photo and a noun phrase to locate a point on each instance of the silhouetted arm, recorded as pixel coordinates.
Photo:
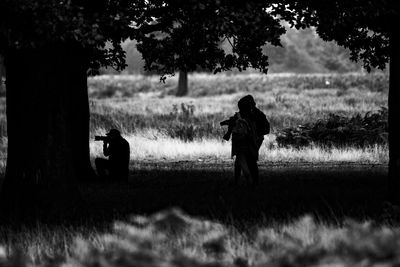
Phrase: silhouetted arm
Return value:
(230, 122)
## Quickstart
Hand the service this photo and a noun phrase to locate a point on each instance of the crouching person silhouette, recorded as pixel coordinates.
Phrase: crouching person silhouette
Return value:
(116, 148)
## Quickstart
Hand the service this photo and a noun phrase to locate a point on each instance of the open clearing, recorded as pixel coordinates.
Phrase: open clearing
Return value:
(329, 191)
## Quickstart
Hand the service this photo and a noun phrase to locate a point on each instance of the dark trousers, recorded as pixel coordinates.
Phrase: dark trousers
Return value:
(247, 164)
(108, 170)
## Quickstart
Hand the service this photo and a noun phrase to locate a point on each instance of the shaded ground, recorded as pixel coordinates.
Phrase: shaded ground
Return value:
(327, 191)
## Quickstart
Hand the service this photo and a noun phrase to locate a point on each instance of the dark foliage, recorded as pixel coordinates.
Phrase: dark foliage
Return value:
(362, 26)
(189, 34)
(360, 131)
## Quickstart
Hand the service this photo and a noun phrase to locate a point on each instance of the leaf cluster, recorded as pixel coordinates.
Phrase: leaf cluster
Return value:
(188, 35)
(87, 24)
(363, 26)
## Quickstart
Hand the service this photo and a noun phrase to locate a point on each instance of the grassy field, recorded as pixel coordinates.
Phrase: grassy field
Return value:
(287, 100)
(161, 126)
(315, 205)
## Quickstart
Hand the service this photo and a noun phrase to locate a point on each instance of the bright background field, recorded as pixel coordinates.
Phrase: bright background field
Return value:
(162, 126)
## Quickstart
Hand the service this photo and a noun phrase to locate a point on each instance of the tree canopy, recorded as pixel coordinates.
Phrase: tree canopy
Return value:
(89, 24)
(186, 35)
(189, 35)
(362, 26)
(172, 35)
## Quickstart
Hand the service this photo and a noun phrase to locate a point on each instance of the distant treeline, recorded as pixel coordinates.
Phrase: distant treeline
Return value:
(302, 51)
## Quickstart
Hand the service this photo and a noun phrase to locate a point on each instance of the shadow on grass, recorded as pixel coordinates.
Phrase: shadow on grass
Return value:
(328, 192)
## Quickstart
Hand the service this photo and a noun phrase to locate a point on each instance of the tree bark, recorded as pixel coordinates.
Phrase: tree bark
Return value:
(2, 73)
(48, 130)
(394, 115)
(182, 89)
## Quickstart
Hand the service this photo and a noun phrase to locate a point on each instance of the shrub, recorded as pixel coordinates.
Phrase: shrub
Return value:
(182, 131)
(339, 131)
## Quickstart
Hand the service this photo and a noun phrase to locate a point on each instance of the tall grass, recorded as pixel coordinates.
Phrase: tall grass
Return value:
(283, 107)
(155, 146)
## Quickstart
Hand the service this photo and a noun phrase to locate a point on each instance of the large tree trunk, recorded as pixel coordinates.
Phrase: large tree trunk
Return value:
(394, 116)
(2, 73)
(182, 89)
(48, 130)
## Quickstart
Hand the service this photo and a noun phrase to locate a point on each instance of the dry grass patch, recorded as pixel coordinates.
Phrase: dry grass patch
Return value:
(150, 145)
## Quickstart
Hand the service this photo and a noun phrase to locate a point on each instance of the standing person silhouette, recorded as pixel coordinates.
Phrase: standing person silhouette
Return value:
(247, 127)
(117, 149)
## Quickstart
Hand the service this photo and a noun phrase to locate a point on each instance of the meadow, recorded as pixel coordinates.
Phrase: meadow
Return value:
(163, 126)
(316, 205)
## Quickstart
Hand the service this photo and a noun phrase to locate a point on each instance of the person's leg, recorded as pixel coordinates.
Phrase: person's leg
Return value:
(101, 167)
(118, 175)
(125, 174)
(253, 168)
(237, 170)
(242, 161)
(118, 172)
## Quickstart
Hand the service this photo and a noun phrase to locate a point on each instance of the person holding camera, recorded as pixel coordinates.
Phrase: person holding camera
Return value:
(247, 127)
(117, 149)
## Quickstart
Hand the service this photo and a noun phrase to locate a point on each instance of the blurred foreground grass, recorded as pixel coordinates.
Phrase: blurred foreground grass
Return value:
(172, 238)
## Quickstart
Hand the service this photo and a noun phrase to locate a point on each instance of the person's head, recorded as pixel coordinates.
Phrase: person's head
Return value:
(113, 134)
(246, 105)
(249, 99)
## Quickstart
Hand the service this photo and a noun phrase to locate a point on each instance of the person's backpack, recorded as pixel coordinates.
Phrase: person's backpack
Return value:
(240, 130)
(263, 126)
(266, 129)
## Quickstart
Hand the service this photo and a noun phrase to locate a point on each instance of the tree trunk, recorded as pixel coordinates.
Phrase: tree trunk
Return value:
(182, 89)
(394, 116)
(48, 130)
(2, 74)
